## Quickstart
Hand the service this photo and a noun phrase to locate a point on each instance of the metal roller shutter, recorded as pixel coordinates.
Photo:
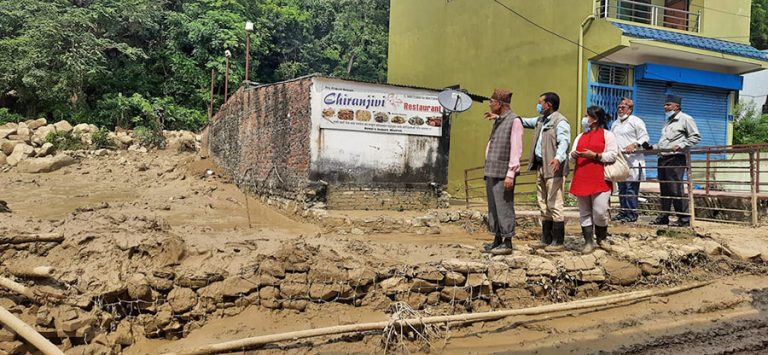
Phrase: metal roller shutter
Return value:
(707, 106)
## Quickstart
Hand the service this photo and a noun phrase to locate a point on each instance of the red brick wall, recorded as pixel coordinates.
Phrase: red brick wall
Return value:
(261, 138)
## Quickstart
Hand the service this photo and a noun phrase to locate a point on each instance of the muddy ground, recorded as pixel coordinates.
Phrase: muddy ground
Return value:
(156, 249)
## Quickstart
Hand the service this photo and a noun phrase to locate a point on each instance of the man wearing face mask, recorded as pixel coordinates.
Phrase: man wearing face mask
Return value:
(502, 165)
(679, 132)
(630, 134)
(549, 158)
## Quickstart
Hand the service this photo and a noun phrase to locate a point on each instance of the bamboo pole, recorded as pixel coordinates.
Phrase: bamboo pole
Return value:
(35, 272)
(32, 238)
(28, 333)
(17, 287)
(247, 343)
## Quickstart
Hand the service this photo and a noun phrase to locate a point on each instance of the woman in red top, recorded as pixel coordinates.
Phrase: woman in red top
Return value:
(591, 150)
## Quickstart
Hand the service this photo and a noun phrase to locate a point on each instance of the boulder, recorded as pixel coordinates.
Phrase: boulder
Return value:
(325, 292)
(35, 124)
(272, 267)
(361, 276)
(3, 158)
(538, 266)
(423, 286)
(20, 152)
(591, 275)
(477, 280)
(38, 138)
(327, 273)
(7, 145)
(182, 299)
(81, 128)
(393, 285)
(139, 288)
(464, 267)
(294, 290)
(5, 132)
(46, 150)
(453, 278)
(62, 126)
(621, 272)
(505, 276)
(45, 165)
(455, 294)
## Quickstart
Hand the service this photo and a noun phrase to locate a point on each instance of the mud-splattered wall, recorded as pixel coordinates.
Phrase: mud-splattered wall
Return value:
(270, 140)
(261, 138)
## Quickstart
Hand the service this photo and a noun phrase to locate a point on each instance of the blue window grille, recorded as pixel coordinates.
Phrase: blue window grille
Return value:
(611, 84)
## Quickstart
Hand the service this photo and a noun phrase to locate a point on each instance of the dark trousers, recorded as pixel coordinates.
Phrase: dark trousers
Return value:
(672, 169)
(628, 198)
(501, 208)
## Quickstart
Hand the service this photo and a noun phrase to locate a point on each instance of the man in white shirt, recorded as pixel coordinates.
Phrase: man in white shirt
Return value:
(630, 135)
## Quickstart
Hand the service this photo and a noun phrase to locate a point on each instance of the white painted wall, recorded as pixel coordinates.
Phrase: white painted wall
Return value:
(368, 154)
(755, 89)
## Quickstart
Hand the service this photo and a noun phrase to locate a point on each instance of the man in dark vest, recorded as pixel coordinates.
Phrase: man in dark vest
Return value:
(502, 165)
(550, 161)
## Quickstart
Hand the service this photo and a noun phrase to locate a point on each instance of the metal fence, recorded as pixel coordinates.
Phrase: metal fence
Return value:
(721, 184)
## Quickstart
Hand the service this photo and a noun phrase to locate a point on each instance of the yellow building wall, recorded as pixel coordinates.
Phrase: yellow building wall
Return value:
(481, 45)
(724, 19)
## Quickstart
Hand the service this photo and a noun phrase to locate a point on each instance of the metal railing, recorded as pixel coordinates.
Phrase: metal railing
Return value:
(721, 184)
(649, 14)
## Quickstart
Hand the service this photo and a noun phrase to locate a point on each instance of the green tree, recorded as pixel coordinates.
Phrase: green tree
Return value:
(759, 24)
(750, 127)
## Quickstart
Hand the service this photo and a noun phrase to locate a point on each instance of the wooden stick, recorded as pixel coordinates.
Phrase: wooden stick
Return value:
(35, 272)
(17, 287)
(45, 237)
(28, 333)
(247, 343)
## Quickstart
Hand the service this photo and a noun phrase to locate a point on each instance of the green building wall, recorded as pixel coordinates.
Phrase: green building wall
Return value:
(481, 45)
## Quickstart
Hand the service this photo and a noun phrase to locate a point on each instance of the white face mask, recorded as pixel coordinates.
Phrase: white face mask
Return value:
(624, 117)
(585, 124)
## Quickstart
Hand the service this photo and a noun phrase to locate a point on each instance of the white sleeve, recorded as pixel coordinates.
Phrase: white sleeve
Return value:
(573, 148)
(611, 148)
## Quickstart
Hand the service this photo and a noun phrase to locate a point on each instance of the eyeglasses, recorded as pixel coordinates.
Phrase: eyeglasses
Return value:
(623, 106)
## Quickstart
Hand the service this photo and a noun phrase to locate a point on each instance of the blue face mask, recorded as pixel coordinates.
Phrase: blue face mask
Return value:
(669, 114)
(585, 124)
(538, 108)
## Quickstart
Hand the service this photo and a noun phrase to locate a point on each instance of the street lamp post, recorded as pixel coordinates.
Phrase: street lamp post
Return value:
(227, 54)
(248, 30)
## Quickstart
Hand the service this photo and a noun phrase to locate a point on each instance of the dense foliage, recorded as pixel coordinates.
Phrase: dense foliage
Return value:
(759, 24)
(750, 127)
(135, 62)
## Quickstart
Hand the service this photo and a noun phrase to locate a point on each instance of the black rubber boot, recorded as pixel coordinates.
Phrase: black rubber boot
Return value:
(504, 249)
(496, 242)
(589, 245)
(558, 237)
(601, 233)
(661, 220)
(546, 235)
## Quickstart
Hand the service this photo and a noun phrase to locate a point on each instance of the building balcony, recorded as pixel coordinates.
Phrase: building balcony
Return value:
(672, 14)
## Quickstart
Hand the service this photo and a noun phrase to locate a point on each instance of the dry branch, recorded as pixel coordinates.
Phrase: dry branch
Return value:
(37, 271)
(247, 343)
(28, 333)
(32, 238)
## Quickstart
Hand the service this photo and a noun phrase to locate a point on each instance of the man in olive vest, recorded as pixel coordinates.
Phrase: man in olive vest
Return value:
(502, 165)
(550, 161)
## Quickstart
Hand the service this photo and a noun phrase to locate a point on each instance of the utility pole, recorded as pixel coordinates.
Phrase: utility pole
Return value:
(248, 30)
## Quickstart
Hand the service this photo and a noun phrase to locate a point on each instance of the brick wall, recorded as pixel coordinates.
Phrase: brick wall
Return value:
(382, 197)
(261, 138)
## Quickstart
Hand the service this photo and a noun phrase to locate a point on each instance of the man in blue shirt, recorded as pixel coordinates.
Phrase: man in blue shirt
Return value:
(549, 158)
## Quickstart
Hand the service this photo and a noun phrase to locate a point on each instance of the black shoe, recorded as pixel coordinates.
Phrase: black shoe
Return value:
(489, 246)
(504, 249)
(659, 221)
(682, 223)
(619, 217)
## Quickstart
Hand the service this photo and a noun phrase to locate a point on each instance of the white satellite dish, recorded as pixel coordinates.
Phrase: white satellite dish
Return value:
(454, 100)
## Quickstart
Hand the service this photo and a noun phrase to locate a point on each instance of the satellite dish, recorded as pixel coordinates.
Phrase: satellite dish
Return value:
(454, 100)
